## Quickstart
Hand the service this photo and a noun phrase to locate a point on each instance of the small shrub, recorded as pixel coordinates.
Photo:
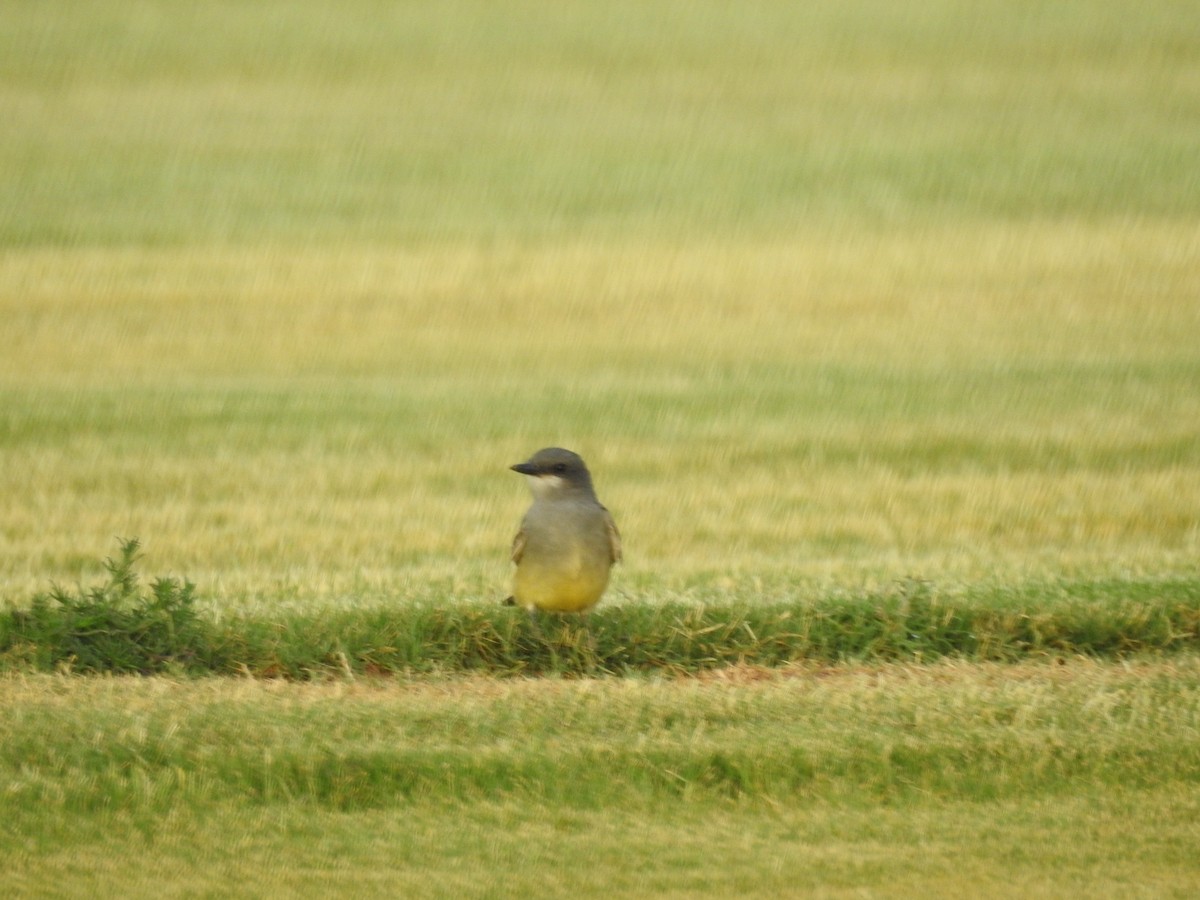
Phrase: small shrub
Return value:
(112, 627)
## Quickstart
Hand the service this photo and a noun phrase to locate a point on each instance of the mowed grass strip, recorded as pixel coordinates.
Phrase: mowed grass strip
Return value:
(851, 734)
(945, 779)
(840, 408)
(1103, 842)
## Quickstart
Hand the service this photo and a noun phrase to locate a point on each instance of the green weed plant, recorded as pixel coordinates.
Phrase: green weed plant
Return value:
(118, 626)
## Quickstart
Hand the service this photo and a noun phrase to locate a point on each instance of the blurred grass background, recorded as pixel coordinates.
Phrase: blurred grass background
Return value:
(169, 123)
(893, 307)
(827, 295)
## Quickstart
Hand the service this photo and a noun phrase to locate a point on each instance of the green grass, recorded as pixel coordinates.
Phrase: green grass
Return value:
(943, 778)
(877, 325)
(119, 627)
(860, 735)
(1110, 844)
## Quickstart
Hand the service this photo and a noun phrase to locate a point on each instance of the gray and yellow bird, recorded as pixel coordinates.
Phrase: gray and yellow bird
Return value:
(568, 541)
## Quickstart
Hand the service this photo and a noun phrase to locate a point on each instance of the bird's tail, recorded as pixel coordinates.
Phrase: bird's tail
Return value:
(510, 601)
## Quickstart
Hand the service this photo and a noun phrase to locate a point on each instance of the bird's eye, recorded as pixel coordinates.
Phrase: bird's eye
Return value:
(560, 468)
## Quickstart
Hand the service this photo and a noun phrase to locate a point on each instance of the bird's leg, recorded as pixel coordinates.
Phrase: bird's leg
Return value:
(593, 658)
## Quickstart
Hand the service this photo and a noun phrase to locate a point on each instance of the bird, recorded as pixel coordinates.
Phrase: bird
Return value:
(567, 543)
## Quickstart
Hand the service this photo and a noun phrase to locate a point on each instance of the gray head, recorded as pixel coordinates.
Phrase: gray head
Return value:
(554, 469)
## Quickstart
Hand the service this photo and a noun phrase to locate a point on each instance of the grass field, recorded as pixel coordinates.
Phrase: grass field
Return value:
(893, 780)
(835, 300)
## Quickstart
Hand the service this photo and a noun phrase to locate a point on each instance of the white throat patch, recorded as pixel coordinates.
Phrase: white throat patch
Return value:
(541, 485)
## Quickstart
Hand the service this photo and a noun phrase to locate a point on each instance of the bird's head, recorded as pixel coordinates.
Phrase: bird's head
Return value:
(554, 470)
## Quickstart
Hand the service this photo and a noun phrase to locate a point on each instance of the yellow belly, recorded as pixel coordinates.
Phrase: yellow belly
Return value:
(563, 589)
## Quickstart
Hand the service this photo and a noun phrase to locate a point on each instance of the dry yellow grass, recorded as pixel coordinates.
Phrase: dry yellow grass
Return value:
(1004, 400)
(606, 314)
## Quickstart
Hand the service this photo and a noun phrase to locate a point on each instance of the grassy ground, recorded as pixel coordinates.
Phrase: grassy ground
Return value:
(855, 294)
(899, 780)
(1107, 844)
(1011, 402)
(836, 300)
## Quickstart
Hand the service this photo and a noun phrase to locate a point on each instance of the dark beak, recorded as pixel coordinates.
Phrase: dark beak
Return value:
(525, 468)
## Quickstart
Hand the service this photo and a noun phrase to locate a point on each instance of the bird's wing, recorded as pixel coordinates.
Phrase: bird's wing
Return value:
(614, 536)
(518, 547)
